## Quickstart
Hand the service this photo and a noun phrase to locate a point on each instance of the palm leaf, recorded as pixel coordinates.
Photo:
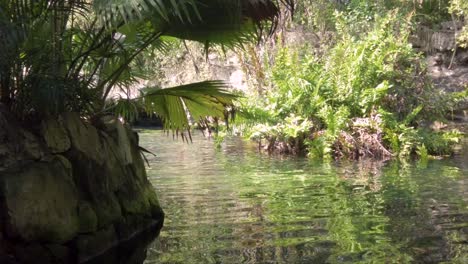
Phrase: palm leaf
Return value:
(201, 100)
(114, 12)
(228, 23)
(223, 22)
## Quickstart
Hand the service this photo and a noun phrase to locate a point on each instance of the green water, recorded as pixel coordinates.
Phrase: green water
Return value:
(234, 205)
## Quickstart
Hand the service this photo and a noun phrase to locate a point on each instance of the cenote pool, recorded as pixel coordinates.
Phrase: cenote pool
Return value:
(234, 205)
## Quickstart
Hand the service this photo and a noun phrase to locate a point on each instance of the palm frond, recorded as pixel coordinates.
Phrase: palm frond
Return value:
(224, 22)
(114, 12)
(201, 100)
(228, 23)
(126, 108)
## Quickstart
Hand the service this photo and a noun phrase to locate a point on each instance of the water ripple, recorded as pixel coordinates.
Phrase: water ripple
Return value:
(236, 206)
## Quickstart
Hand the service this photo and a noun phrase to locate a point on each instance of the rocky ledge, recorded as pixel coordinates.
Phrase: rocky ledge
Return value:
(71, 190)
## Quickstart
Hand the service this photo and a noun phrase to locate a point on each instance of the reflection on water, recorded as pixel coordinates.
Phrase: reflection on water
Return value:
(132, 251)
(234, 205)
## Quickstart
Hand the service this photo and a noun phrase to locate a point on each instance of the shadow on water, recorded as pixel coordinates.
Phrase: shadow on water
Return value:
(232, 205)
(133, 251)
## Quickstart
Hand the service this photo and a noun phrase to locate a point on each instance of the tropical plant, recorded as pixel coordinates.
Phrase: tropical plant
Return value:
(75, 55)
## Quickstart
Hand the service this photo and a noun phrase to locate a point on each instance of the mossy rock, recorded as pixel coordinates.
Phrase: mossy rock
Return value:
(107, 208)
(89, 246)
(41, 200)
(87, 217)
(55, 135)
(131, 225)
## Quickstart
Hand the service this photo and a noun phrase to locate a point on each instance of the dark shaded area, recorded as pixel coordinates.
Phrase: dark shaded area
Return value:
(132, 251)
(146, 120)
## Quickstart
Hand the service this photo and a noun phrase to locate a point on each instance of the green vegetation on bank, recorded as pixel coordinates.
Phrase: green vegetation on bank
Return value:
(365, 96)
(459, 8)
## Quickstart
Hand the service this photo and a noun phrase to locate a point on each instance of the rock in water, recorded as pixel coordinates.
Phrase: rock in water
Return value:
(71, 190)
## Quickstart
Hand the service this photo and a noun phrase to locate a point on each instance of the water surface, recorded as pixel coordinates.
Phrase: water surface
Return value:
(234, 205)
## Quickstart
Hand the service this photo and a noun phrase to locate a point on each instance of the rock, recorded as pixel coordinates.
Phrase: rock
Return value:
(98, 177)
(41, 200)
(98, 165)
(98, 182)
(133, 199)
(454, 79)
(84, 138)
(443, 40)
(116, 168)
(462, 57)
(436, 60)
(156, 209)
(87, 218)
(16, 144)
(88, 246)
(34, 253)
(131, 251)
(107, 208)
(123, 141)
(461, 115)
(132, 225)
(451, 25)
(64, 188)
(59, 253)
(31, 146)
(138, 256)
(55, 135)
(429, 40)
(120, 134)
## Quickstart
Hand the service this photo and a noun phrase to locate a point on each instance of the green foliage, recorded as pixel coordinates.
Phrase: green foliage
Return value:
(290, 135)
(367, 88)
(316, 15)
(60, 56)
(360, 15)
(199, 99)
(440, 143)
(459, 8)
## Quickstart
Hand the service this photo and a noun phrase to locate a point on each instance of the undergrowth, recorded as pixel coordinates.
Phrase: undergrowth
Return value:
(368, 96)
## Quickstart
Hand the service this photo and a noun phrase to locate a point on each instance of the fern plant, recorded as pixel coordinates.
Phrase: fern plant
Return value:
(367, 96)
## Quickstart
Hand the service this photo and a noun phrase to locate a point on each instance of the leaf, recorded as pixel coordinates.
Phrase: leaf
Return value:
(227, 23)
(114, 12)
(200, 99)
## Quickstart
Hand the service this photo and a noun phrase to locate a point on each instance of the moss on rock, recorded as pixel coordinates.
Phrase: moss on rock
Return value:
(42, 201)
(70, 185)
(87, 218)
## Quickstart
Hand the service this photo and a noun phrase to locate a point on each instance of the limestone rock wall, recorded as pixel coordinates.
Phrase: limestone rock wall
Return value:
(71, 190)
(447, 63)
